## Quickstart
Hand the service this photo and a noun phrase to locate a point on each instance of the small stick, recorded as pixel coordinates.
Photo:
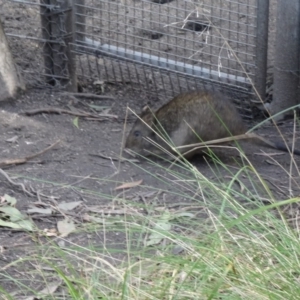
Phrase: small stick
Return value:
(87, 95)
(19, 161)
(120, 159)
(53, 110)
(16, 183)
(103, 116)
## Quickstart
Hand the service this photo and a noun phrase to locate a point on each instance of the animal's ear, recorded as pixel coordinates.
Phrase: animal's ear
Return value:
(147, 115)
(145, 110)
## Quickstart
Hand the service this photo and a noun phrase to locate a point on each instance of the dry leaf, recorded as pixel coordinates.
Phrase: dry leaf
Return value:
(13, 218)
(12, 139)
(161, 227)
(42, 211)
(129, 185)
(50, 288)
(69, 205)
(12, 201)
(65, 227)
(29, 298)
(270, 162)
(88, 218)
(50, 232)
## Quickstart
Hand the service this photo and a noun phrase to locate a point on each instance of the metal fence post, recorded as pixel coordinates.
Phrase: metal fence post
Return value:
(286, 65)
(58, 32)
(262, 47)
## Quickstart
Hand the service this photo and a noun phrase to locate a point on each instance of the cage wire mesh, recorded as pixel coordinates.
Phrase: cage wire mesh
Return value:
(214, 39)
(163, 46)
(35, 42)
(23, 28)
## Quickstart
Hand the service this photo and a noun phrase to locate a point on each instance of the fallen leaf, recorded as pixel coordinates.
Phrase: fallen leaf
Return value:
(10, 200)
(29, 298)
(129, 185)
(65, 227)
(69, 205)
(12, 213)
(61, 243)
(75, 122)
(98, 82)
(11, 217)
(21, 225)
(12, 139)
(49, 289)
(42, 211)
(50, 232)
(184, 214)
(88, 218)
(177, 249)
(157, 236)
(270, 162)
(161, 226)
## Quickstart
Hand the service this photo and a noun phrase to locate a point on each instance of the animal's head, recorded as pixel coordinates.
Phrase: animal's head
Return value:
(140, 132)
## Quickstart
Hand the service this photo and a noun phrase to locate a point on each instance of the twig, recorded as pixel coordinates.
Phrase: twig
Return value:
(54, 110)
(39, 194)
(19, 161)
(91, 96)
(69, 185)
(275, 185)
(121, 211)
(120, 159)
(105, 116)
(16, 183)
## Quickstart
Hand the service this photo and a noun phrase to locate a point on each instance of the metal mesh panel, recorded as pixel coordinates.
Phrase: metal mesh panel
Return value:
(162, 47)
(22, 27)
(36, 44)
(214, 39)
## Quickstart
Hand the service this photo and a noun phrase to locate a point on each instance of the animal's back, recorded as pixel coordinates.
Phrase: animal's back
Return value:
(187, 119)
(204, 115)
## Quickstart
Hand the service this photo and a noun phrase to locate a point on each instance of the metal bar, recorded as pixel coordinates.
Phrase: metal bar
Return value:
(286, 65)
(262, 47)
(110, 50)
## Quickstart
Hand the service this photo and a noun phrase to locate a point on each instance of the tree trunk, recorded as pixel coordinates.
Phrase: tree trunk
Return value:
(10, 79)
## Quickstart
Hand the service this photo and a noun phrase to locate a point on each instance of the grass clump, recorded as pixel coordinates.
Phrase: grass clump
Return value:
(226, 238)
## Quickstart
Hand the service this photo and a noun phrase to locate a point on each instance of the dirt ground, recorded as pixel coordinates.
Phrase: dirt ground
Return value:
(75, 171)
(72, 171)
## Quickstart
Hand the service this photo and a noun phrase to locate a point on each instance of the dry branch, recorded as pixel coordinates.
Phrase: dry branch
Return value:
(87, 95)
(19, 161)
(53, 110)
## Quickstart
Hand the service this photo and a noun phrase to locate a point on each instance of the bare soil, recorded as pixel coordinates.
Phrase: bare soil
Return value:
(72, 171)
